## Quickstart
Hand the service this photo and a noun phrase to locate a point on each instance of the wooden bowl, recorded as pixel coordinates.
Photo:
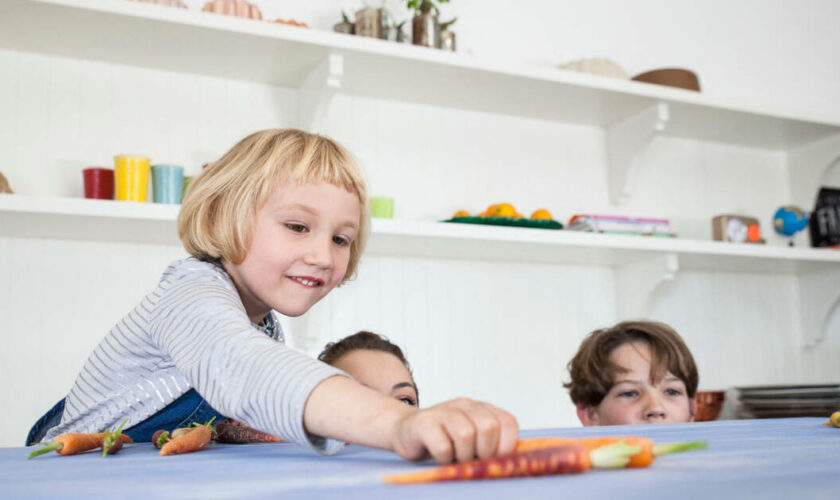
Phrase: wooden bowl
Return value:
(708, 404)
(672, 77)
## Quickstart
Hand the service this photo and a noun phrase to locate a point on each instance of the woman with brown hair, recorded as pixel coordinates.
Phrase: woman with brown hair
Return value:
(375, 362)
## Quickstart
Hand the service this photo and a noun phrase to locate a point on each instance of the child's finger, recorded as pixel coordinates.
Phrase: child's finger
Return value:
(461, 431)
(509, 431)
(487, 430)
(436, 441)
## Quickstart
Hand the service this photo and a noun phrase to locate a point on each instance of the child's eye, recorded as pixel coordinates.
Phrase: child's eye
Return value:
(298, 228)
(341, 241)
(628, 394)
(673, 392)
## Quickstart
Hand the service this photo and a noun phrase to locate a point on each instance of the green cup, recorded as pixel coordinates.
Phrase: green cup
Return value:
(382, 207)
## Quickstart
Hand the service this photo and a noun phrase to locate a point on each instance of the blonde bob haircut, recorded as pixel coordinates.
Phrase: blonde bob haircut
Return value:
(219, 208)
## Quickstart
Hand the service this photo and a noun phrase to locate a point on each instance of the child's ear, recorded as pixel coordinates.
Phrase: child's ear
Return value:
(692, 408)
(588, 415)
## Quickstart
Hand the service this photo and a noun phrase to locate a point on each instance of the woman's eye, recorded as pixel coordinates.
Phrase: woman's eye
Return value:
(408, 401)
(341, 241)
(298, 228)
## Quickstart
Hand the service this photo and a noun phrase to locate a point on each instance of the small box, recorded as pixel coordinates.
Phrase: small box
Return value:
(737, 229)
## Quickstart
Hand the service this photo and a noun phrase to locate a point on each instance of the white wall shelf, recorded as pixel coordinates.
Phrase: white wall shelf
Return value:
(146, 35)
(103, 220)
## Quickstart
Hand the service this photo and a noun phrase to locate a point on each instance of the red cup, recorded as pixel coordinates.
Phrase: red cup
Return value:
(99, 183)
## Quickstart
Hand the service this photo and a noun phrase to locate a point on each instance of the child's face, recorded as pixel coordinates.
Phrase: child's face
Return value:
(381, 371)
(300, 249)
(633, 399)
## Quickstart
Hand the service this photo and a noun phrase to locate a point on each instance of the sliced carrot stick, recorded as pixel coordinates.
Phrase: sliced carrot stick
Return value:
(194, 440)
(568, 459)
(648, 450)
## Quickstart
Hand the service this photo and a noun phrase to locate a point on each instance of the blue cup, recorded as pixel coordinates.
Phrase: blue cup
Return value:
(167, 183)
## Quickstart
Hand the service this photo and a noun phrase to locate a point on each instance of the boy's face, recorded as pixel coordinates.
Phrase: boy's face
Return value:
(300, 249)
(633, 399)
(381, 371)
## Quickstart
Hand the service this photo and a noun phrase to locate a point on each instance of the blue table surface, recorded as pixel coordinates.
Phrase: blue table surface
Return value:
(774, 458)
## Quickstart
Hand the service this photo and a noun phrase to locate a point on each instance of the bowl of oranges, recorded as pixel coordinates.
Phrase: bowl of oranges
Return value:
(505, 214)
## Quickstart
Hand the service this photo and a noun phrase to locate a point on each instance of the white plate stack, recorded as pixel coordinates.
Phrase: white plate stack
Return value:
(780, 401)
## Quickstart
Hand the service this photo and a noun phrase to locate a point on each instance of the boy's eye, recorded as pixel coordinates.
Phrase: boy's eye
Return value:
(628, 394)
(298, 228)
(673, 392)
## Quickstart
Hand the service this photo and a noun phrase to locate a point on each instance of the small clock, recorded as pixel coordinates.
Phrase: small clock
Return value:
(737, 229)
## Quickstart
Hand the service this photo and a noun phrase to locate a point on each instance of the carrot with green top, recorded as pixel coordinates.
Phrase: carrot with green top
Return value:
(71, 443)
(194, 440)
(647, 449)
(568, 459)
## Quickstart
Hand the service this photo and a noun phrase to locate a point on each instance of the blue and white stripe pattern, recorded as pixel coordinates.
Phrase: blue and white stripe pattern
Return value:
(192, 331)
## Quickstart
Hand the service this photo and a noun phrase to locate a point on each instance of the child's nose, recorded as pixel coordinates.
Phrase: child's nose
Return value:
(319, 253)
(654, 409)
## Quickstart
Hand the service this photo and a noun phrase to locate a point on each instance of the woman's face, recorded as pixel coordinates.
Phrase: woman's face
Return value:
(381, 371)
(634, 399)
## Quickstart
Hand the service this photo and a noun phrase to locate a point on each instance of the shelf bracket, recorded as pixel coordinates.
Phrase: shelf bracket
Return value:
(627, 141)
(316, 91)
(819, 295)
(636, 282)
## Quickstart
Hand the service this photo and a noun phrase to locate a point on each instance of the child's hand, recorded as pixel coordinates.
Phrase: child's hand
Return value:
(460, 429)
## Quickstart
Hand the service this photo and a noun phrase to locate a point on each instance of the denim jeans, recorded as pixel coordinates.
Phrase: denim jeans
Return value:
(188, 408)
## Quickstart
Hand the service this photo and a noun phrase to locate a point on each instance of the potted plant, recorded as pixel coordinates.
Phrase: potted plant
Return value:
(447, 36)
(425, 26)
(345, 26)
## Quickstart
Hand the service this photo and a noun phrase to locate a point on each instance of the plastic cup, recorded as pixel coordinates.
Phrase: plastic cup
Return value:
(167, 183)
(187, 181)
(99, 183)
(382, 207)
(131, 178)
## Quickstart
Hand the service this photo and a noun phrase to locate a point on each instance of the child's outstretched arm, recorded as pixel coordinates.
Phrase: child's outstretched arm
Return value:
(460, 429)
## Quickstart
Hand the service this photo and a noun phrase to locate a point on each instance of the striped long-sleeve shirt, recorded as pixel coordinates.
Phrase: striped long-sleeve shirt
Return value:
(192, 331)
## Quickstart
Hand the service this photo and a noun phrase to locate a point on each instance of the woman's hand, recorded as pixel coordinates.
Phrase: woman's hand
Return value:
(456, 430)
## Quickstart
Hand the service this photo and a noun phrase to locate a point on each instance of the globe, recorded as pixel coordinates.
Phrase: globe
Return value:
(789, 220)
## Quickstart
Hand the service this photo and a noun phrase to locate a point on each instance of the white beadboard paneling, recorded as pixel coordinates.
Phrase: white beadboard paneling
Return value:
(76, 114)
(59, 298)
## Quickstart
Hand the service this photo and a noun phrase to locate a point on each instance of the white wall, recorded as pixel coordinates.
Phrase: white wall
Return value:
(500, 331)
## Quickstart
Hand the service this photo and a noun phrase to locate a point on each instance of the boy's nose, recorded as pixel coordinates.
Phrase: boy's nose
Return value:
(654, 409)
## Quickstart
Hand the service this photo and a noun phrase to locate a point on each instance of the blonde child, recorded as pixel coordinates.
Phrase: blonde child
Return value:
(636, 372)
(275, 224)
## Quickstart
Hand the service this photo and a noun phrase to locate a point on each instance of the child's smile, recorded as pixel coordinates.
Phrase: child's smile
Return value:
(299, 251)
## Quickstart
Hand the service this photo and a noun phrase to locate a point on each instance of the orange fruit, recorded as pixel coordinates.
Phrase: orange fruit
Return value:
(461, 213)
(504, 210)
(489, 212)
(542, 214)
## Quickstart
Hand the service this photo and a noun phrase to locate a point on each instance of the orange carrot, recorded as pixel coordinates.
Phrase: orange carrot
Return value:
(235, 432)
(568, 459)
(648, 450)
(71, 443)
(194, 440)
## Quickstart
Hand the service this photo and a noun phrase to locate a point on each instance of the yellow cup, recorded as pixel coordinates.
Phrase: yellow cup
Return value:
(131, 178)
